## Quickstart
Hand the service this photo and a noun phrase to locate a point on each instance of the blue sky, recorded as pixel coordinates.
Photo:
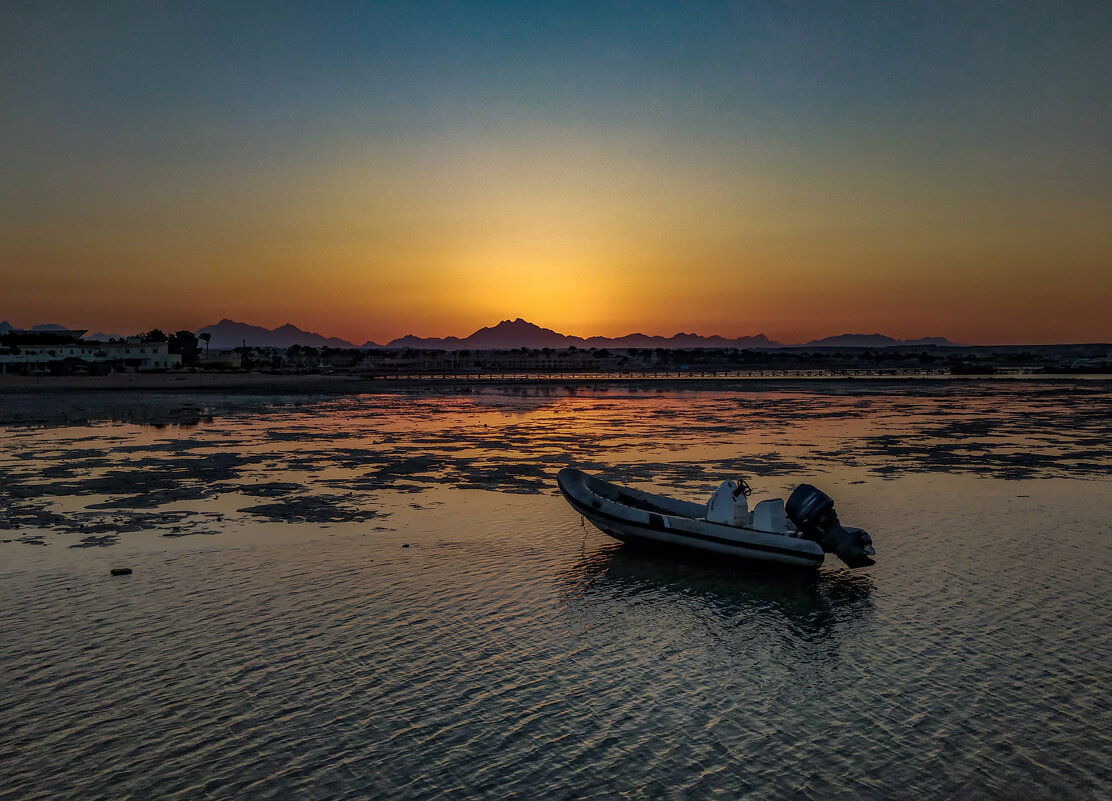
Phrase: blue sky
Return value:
(879, 156)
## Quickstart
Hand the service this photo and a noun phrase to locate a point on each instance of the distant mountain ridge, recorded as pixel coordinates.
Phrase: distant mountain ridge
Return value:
(520, 333)
(231, 334)
(515, 333)
(872, 341)
(44, 327)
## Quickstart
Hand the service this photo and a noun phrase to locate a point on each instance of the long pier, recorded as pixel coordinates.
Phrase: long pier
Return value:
(645, 375)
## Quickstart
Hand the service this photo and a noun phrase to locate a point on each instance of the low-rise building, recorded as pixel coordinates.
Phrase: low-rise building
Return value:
(31, 352)
(135, 353)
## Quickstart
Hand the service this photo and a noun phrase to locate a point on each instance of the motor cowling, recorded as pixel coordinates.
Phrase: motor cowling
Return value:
(806, 503)
(812, 511)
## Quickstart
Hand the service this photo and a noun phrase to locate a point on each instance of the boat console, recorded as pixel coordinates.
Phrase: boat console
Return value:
(729, 504)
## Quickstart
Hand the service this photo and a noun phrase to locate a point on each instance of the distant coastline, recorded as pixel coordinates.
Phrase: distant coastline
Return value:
(264, 383)
(55, 354)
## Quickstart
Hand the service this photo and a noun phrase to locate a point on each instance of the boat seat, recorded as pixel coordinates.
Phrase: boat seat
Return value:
(769, 516)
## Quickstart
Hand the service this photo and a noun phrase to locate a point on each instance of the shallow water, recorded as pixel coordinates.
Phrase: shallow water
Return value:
(278, 639)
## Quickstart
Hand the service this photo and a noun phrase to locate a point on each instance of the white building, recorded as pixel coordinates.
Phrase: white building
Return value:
(24, 352)
(133, 352)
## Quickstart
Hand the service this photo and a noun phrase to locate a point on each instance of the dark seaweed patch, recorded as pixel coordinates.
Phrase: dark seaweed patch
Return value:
(272, 489)
(96, 542)
(155, 498)
(310, 509)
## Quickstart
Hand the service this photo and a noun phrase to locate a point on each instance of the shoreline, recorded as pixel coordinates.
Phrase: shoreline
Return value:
(263, 383)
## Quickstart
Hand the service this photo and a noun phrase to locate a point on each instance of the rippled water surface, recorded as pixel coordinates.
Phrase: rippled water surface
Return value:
(382, 596)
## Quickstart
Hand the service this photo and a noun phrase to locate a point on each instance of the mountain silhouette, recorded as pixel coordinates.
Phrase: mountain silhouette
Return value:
(231, 334)
(521, 333)
(872, 341)
(45, 328)
(507, 334)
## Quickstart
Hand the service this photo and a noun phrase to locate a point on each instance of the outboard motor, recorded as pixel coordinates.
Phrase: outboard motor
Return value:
(812, 510)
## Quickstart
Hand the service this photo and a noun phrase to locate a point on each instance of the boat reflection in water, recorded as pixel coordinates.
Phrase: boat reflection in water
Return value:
(729, 596)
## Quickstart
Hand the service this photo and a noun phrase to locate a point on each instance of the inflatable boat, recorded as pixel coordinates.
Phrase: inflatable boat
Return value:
(799, 533)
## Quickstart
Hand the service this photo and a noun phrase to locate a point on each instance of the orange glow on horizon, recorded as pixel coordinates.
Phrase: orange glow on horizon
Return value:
(573, 235)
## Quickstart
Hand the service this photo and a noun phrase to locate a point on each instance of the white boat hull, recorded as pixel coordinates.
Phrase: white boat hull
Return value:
(634, 516)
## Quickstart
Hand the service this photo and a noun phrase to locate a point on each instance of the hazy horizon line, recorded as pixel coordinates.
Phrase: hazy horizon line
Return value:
(773, 341)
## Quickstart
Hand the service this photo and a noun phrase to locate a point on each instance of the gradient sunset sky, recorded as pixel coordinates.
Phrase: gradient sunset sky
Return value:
(370, 170)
